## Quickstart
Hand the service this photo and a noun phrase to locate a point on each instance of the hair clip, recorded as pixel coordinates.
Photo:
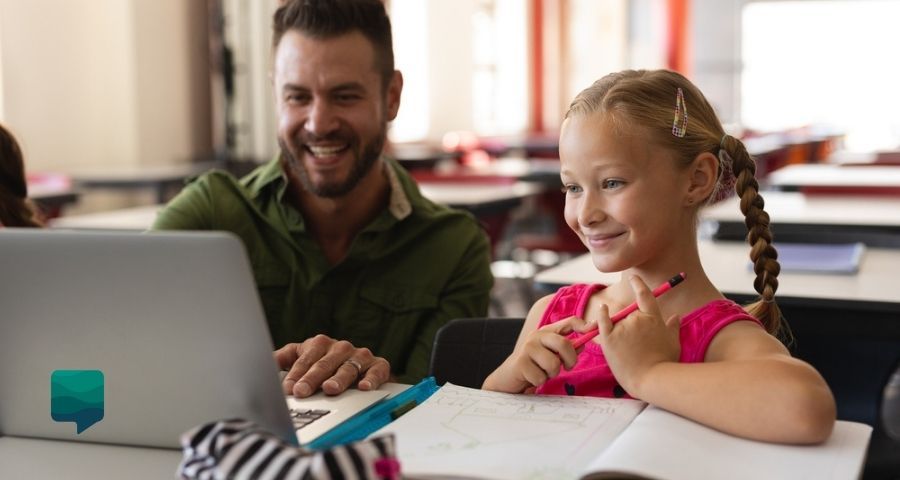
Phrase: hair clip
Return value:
(679, 124)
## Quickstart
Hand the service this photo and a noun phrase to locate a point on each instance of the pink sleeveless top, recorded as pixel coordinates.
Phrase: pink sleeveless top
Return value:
(592, 376)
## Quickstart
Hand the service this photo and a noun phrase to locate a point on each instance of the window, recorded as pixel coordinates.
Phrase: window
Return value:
(831, 63)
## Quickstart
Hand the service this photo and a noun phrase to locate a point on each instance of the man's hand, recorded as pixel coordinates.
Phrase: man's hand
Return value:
(333, 365)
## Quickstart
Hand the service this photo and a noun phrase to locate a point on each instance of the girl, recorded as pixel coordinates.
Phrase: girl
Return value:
(15, 208)
(634, 181)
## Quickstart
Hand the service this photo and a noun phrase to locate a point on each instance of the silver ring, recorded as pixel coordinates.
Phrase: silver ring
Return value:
(353, 363)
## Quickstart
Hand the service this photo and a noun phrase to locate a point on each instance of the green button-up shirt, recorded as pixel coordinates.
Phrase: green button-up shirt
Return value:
(416, 266)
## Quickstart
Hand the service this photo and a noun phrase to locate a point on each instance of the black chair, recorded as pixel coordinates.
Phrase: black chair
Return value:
(467, 350)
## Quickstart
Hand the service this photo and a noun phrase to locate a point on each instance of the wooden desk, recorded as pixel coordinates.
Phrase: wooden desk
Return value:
(162, 179)
(137, 218)
(830, 178)
(847, 326)
(797, 217)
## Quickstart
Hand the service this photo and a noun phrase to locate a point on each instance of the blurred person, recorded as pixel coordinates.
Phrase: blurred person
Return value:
(16, 210)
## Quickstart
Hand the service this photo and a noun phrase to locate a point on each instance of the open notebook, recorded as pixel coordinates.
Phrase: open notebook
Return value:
(466, 433)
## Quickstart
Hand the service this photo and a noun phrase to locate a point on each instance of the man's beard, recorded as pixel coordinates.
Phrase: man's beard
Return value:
(364, 158)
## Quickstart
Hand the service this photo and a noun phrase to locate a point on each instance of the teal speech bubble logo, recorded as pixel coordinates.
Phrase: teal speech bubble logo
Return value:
(76, 396)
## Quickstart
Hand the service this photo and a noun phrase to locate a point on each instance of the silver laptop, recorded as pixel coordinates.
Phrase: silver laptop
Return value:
(132, 339)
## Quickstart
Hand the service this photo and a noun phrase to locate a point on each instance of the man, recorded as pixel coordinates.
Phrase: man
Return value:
(342, 244)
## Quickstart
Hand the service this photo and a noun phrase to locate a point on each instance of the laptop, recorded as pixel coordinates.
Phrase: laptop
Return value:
(134, 338)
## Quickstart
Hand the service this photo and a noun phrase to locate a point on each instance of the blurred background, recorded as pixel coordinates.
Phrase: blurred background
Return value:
(117, 102)
(93, 86)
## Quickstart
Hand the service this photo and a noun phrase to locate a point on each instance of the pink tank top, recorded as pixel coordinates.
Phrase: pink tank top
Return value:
(592, 376)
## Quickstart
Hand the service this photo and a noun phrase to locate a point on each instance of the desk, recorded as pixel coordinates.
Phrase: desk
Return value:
(831, 178)
(51, 193)
(137, 218)
(797, 217)
(37, 458)
(480, 199)
(546, 146)
(847, 326)
(160, 178)
(726, 265)
(540, 170)
(414, 156)
(41, 458)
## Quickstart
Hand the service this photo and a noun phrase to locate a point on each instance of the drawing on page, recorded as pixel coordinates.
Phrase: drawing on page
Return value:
(465, 416)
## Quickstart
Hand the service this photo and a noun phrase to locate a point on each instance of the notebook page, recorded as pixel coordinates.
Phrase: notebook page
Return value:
(464, 432)
(659, 444)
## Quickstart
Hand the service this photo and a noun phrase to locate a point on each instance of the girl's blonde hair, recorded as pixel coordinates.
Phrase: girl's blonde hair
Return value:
(645, 100)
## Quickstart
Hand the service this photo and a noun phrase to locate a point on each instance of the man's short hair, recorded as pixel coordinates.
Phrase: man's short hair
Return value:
(331, 18)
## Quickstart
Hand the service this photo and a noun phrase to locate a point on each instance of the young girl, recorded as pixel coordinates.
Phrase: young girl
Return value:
(634, 181)
(16, 210)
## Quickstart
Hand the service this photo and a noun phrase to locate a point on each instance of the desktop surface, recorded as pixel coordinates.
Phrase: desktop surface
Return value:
(39, 458)
(726, 265)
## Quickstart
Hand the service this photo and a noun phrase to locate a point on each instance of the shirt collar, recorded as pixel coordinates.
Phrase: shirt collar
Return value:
(399, 205)
(272, 176)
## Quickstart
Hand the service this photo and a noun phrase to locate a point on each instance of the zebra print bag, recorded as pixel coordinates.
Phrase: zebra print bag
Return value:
(237, 449)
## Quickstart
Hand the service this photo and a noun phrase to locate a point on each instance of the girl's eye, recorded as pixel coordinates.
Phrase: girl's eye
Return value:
(571, 189)
(612, 183)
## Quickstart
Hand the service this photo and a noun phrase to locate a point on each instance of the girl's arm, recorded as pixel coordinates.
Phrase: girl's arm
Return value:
(538, 354)
(748, 386)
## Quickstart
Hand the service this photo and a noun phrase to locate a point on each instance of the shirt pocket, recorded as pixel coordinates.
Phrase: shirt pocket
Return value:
(390, 316)
(272, 282)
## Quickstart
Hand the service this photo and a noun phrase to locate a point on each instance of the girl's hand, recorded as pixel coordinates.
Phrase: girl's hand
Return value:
(539, 357)
(640, 341)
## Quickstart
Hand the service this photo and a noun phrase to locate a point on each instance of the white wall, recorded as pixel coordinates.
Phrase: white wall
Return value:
(450, 65)
(595, 43)
(715, 37)
(105, 82)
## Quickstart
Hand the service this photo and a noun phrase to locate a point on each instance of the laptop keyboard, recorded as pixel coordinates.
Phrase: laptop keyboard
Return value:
(302, 417)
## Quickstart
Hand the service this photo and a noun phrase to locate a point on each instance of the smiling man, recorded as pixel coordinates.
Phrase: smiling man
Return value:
(355, 269)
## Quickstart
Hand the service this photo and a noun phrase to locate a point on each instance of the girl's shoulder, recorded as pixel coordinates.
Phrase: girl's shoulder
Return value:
(720, 310)
(568, 301)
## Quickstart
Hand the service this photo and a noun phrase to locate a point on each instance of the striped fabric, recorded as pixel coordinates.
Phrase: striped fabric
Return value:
(237, 449)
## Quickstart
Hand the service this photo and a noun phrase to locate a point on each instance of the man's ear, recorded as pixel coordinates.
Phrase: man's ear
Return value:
(392, 100)
(703, 174)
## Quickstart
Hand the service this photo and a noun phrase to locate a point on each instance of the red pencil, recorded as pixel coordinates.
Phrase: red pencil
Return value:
(665, 287)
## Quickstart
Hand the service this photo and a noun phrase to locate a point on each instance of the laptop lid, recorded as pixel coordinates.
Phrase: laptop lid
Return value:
(131, 338)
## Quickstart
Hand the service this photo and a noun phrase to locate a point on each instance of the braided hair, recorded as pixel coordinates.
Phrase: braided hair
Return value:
(646, 100)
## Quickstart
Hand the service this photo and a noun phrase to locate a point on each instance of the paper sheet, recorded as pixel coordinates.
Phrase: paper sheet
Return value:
(475, 433)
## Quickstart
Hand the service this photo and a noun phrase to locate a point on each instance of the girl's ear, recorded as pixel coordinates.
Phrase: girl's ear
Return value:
(703, 174)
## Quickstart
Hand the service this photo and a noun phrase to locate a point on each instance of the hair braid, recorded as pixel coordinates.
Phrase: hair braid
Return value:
(759, 236)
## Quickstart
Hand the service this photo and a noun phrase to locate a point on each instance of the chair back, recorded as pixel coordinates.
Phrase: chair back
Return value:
(467, 350)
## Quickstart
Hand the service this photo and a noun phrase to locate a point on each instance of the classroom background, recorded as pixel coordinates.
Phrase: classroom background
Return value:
(117, 102)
